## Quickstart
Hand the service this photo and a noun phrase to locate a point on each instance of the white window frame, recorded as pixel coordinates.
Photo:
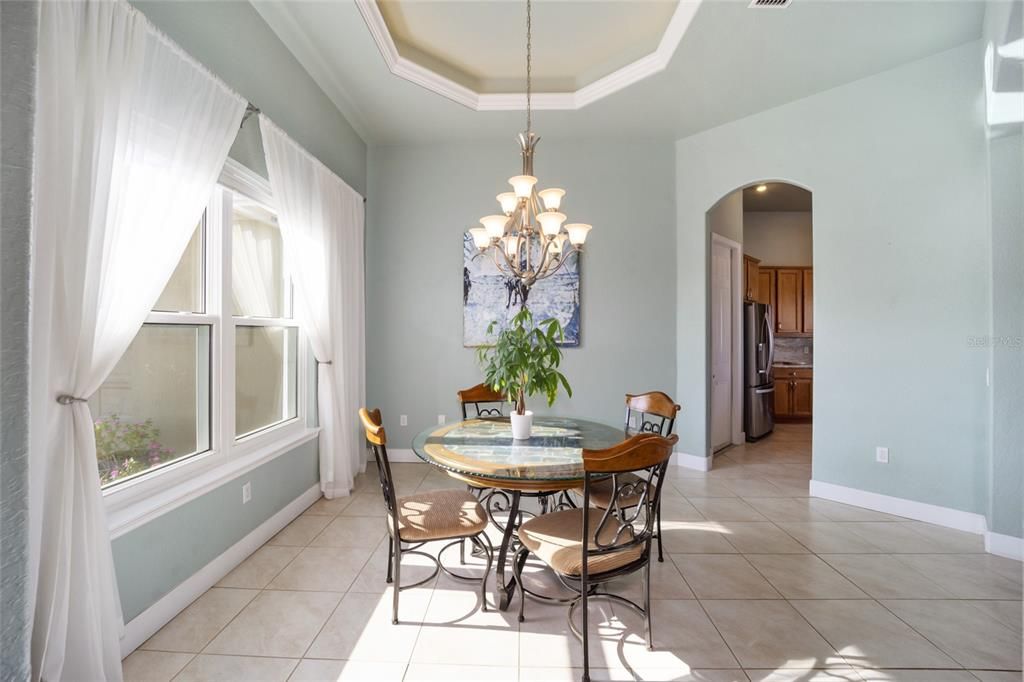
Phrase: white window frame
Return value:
(145, 497)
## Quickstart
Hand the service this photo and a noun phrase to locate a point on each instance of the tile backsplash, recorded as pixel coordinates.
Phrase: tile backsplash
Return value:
(794, 349)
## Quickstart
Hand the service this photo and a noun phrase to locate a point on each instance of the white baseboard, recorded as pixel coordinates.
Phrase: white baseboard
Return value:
(145, 625)
(692, 461)
(919, 511)
(1004, 545)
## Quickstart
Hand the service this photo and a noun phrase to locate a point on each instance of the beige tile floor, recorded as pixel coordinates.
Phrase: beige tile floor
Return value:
(760, 582)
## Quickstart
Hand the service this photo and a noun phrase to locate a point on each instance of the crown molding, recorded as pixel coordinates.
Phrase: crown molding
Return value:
(278, 17)
(552, 101)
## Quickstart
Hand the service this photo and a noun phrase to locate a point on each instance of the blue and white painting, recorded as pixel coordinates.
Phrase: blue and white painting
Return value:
(488, 295)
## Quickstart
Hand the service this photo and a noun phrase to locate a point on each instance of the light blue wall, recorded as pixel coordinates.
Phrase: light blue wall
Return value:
(232, 40)
(1006, 156)
(18, 33)
(154, 559)
(897, 165)
(422, 199)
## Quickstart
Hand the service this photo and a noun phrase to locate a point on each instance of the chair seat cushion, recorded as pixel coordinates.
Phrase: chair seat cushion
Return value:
(439, 515)
(555, 538)
(601, 491)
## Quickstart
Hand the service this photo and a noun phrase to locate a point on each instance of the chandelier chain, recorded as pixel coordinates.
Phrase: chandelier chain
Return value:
(529, 65)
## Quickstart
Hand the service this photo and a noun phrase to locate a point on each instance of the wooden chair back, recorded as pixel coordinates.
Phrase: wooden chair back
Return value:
(655, 412)
(377, 440)
(646, 457)
(479, 397)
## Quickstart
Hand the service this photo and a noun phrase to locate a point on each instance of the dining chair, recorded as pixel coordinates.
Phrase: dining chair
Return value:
(417, 519)
(478, 396)
(652, 412)
(589, 546)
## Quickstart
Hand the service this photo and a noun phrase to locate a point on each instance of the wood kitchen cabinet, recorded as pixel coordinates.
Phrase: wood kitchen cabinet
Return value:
(790, 292)
(789, 298)
(750, 278)
(766, 287)
(803, 390)
(794, 392)
(807, 325)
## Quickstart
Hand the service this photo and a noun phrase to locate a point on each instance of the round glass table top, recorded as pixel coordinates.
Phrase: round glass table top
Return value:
(484, 448)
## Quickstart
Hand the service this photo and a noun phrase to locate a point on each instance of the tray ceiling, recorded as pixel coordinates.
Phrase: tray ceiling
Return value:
(730, 62)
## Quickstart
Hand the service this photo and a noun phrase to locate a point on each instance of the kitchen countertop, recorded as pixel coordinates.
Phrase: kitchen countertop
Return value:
(794, 365)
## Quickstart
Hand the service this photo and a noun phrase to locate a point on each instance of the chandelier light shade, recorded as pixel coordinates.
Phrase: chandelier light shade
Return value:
(522, 185)
(494, 225)
(552, 198)
(551, 222)
(529, 241)
(508, 201)
(578, 233)
(480, 237)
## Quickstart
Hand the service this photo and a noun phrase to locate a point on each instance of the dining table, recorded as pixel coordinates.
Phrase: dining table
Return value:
(482, 453)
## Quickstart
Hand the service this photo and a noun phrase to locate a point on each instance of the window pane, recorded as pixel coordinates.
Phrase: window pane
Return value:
(257, 270)
(184, 291)
(266, 376)
(154, 407)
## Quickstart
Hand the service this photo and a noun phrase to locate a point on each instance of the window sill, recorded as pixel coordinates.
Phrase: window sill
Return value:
(136, 505)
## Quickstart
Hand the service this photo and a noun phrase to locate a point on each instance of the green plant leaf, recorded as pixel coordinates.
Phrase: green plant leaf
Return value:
(524, 359)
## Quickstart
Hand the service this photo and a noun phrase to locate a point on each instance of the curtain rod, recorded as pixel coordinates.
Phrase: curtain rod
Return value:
(251, 109)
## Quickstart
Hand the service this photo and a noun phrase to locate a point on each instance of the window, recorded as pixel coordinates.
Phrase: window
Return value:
(154, 408)
(214, 371)
(266, 338)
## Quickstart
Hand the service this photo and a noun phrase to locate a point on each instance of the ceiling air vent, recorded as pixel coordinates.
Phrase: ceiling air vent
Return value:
(771, 4)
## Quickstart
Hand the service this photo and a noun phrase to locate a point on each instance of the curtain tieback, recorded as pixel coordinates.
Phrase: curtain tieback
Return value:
(324, 362)
(65, 399)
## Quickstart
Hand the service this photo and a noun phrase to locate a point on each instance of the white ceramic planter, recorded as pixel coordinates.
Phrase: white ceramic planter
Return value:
(521, 425)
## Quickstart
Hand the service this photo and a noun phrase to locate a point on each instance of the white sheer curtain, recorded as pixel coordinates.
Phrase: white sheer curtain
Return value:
(130, 136)
(253, 275)
(321, 221)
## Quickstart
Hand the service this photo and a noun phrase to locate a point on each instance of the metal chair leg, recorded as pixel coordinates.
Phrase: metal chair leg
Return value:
(398, 579)
(647, 606)
(586, 628)
(391, 558)
(661, 556)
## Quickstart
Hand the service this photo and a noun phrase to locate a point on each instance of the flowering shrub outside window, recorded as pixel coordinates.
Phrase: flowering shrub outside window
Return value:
(124, 449)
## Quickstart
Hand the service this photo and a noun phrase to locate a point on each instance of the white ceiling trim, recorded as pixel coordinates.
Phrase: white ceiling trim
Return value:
(552, 101)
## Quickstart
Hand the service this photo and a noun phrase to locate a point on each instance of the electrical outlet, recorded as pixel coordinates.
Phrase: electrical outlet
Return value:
(403, 420)
(246, 492)
(882, 455)
(440, 419)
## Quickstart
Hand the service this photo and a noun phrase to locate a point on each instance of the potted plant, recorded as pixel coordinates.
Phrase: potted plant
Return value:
(523, 362)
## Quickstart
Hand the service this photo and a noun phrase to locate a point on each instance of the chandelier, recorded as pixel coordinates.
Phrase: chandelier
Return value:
(529, 240)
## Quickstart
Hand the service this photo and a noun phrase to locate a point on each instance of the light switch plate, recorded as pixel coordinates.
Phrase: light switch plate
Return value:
(403, 420)
(440, 419)
(246, 492)
(882, 455)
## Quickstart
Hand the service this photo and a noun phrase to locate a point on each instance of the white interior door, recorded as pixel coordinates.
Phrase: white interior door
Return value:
(721, 345)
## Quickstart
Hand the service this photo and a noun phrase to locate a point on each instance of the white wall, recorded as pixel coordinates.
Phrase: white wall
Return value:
(778, 237)
(897, 165)
(726, 218)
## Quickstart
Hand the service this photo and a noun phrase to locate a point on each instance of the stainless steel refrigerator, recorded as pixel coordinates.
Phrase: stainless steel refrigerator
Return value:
(759, 384)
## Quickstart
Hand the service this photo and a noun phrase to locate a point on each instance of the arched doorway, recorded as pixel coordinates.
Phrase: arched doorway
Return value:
(760, 322)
